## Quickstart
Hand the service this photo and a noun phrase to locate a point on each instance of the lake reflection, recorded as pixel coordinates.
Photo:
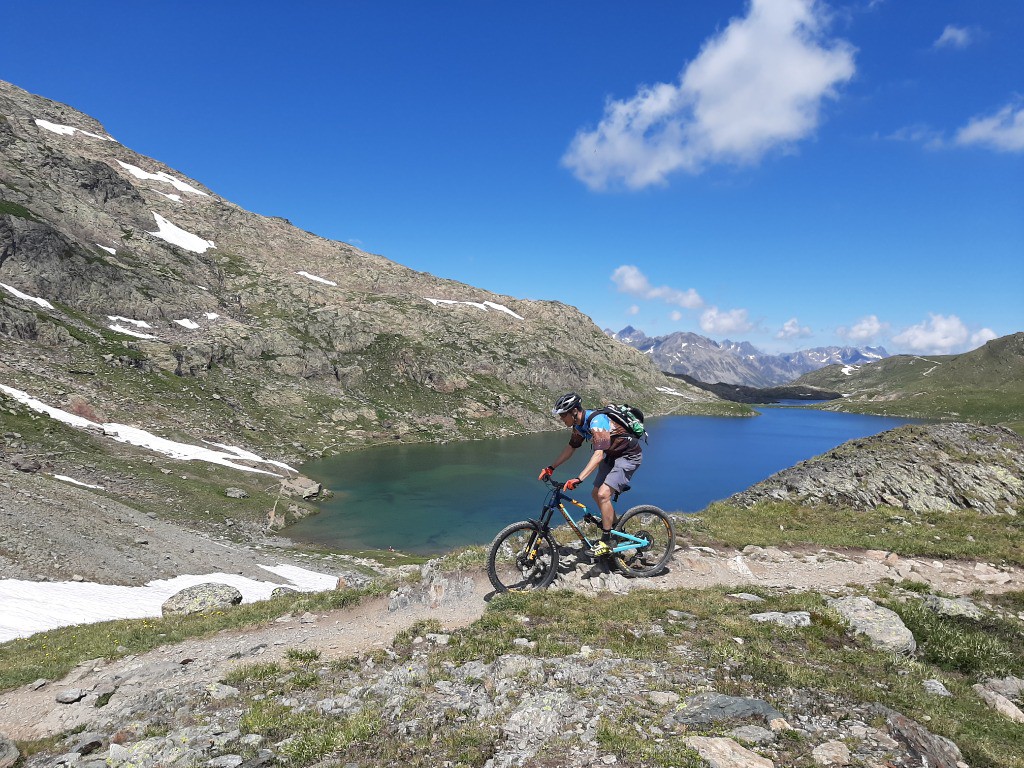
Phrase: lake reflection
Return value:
(428, 499)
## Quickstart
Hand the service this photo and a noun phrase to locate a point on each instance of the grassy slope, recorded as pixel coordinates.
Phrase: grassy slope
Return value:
(985, 385)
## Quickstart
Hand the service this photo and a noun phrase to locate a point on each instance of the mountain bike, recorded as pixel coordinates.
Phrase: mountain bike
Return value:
(524, 555)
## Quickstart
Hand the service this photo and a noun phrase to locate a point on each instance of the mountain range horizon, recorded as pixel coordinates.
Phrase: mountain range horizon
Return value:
(738, 362)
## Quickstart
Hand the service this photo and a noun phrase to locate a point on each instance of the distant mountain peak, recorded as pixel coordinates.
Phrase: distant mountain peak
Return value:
(738, 362)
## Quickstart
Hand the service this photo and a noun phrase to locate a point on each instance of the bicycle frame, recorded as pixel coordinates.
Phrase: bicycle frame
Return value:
(556, 499)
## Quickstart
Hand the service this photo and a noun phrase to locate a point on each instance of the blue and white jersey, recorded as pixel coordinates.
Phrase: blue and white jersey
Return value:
(604, 435)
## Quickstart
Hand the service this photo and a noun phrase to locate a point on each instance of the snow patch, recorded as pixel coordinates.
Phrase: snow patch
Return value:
(670, 391)
(166, 178)
(211, 315)
(67, 130)
(27, 607)
(485, 305)
(323, 280)
(178, 236)
(186, 323)
(137, 323)
(849, 369)
(41, 302)
(71, 480)
(129, 332)
(107, 248)
(175, 198)
(135, 436)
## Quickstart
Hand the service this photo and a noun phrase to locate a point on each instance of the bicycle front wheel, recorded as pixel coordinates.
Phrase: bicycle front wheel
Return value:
(654, 528)
(521, 558)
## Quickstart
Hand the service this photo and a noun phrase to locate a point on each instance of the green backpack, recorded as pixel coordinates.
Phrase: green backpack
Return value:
(629, 417)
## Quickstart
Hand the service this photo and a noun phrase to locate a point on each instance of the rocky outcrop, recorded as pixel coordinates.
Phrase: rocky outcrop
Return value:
(920, 468)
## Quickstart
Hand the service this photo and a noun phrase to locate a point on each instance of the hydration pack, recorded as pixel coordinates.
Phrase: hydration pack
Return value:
(629, 417)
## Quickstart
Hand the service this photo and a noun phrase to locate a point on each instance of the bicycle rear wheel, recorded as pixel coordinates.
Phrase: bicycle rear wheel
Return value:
(655, 527)
(521, 558)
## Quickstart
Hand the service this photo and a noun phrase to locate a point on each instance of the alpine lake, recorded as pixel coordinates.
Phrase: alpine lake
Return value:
(431, 498)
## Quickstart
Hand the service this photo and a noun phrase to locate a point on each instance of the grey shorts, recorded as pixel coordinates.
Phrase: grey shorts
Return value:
(617, 476)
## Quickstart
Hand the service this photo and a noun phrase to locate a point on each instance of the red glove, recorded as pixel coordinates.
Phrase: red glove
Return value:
(571, 483)
(545, 473)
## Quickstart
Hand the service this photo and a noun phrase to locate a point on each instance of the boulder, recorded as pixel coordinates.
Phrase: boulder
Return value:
(883, 627)
(201, 598)
(301, 486)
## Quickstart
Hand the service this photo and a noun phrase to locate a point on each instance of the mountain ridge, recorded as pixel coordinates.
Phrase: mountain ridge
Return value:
(142, 291)
(740, 363)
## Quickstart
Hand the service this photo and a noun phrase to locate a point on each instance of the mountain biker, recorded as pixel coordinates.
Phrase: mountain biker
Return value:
(616, 455)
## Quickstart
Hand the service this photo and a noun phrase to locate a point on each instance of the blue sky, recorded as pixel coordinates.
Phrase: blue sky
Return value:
(788, 172)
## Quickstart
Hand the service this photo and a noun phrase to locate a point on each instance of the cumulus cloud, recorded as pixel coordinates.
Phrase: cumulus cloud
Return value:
(1003, 131)
(630, 280)
(675, 316)
(954, 37)
(757, 85)
(633, 310)
(792, 329)
(715, 321)
(864, 330)
(941, 335)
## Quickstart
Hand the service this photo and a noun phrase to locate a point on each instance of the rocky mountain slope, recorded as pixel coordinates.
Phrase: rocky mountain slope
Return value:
(985, 384)
(137, 295)
(731, 362)
(918, 467)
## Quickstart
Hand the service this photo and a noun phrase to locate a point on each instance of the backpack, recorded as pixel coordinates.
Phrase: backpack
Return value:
(629, 417)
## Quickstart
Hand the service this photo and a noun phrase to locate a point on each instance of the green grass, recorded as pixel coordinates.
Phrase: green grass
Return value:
(940, 535)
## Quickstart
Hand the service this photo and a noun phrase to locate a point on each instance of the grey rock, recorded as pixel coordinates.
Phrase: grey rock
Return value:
(282, 591)
(70, 696)
(726, 753)
(883, 627)
(201, 598)
(831, 753)
(791, 619)
(236, 493)
(87, 743)
(753, 734)
(961, 607)
(932, 750)
(936, 688)
(9, 753)
(747, 597)
(713, 707)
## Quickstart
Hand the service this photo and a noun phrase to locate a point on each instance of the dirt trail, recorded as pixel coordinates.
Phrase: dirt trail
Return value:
(32, 714)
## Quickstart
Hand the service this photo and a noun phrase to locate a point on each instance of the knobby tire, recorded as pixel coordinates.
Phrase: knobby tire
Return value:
(652, 523)
(522, 558)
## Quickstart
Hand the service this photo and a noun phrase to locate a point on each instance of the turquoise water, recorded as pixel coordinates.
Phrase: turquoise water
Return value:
(429, 499)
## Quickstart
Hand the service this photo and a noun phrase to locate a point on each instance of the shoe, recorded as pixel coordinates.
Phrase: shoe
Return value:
(601, 549)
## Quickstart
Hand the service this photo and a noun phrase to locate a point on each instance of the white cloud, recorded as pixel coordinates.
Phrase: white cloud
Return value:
(941, 335)
(675, 316)
(713, 320)
(982, 336)
(633, 310)
(757, 85)
(954, 37)
(1003, 131)
(628, 279)
(864, 330)
(792, 329)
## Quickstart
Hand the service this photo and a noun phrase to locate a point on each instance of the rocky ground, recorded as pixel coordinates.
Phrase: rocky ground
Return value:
(918, 467)
(55, 531)
(170, 707)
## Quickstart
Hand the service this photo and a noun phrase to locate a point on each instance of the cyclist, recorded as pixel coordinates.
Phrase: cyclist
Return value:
(616, 455)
